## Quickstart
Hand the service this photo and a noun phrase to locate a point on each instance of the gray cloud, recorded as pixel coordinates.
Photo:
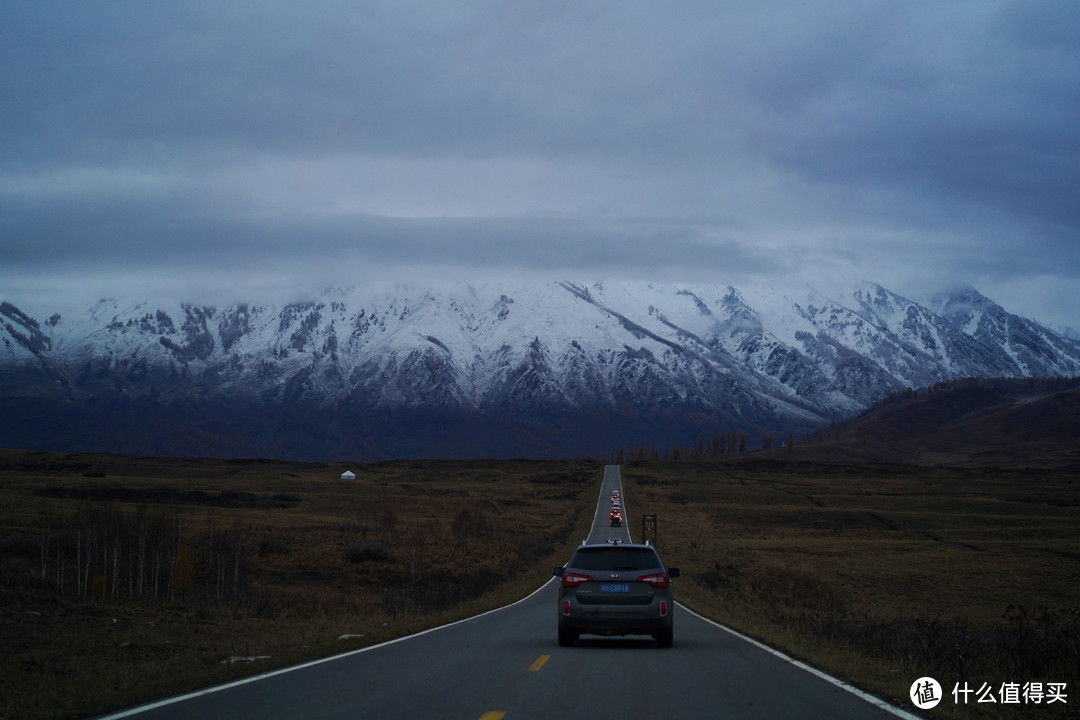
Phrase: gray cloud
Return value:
(918, 143)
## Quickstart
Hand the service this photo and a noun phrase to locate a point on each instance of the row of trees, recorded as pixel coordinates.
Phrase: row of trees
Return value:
(1045, 383)
(100, 551)
(714, 446)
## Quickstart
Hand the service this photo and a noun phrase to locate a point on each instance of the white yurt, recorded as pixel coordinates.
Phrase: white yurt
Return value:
(348, 475)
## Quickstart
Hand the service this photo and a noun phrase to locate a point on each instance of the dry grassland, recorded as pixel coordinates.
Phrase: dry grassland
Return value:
(877, 574)
(882, 575)
(284, 562)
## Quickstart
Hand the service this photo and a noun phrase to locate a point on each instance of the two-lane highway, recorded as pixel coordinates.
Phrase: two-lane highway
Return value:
(602, 530)
(507, 664)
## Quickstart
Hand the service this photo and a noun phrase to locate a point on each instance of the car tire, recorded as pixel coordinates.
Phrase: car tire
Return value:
(665, 638)
(567, 637)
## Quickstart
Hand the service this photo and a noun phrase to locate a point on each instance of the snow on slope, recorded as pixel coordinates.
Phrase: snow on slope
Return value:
(789, 349)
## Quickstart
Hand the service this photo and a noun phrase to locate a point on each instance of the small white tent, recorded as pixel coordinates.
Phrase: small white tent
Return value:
(348, 475)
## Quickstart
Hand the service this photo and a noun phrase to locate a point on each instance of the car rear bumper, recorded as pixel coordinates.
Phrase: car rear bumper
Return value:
(615, 620)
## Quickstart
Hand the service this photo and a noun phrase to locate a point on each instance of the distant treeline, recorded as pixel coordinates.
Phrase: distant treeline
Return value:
(172, 496)
(1044, 384)
(714, 446)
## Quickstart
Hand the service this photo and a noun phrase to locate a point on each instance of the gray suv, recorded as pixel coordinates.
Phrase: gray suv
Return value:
(616, 589)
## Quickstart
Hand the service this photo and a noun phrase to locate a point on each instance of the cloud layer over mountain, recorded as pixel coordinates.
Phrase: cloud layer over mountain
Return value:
(236, 145)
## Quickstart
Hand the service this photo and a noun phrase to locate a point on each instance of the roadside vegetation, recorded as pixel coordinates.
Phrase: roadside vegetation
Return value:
(128, 579)
(881, 575)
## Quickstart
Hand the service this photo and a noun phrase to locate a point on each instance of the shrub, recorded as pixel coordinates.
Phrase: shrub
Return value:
(183, 573)
(351, 526)
(389, 520)
(26, 546)
(283, 500)
(361, 550)
(468, 523)
(274, 546)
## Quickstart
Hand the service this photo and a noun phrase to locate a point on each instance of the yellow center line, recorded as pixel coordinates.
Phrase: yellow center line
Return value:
(493, 715)
(539, 662)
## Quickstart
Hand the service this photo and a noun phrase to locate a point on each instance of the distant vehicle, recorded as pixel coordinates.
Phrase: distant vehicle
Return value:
(616, 521)
(616, 589)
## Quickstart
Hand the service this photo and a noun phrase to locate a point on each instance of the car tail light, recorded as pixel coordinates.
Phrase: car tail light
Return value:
(570, 579)
(663, 608)
(658, 580)
(566, 607)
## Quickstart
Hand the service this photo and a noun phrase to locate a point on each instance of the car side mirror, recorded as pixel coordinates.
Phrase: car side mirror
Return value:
(673, 572)
(558, 572)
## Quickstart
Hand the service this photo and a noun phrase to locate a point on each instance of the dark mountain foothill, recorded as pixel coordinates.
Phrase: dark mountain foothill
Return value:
(542, 369)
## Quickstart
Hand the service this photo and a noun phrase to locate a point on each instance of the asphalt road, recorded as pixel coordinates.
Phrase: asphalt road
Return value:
(507, 664)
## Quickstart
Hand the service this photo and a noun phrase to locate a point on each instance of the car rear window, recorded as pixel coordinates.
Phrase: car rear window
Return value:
(615, 558)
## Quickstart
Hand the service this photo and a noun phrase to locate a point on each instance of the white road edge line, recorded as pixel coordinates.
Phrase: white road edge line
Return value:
(872, 699)
(281, 671)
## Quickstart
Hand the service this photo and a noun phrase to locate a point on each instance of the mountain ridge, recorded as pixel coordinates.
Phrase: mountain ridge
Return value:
(535, 368)
(1018, 423)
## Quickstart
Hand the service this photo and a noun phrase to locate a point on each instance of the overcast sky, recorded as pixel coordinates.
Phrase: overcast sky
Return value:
(268, 145)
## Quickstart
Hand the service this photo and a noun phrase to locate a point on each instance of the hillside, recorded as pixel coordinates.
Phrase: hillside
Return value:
(1028, 423)
(538, 369)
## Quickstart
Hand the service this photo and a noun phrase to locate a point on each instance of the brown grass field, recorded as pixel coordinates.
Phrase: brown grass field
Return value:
(125, 579)
(882, 574)
(285, 562)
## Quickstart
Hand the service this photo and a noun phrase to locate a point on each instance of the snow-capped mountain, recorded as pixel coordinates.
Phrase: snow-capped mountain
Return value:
(496, 369)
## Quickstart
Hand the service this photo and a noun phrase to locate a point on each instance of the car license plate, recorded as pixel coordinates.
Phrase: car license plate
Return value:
(614, 587)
